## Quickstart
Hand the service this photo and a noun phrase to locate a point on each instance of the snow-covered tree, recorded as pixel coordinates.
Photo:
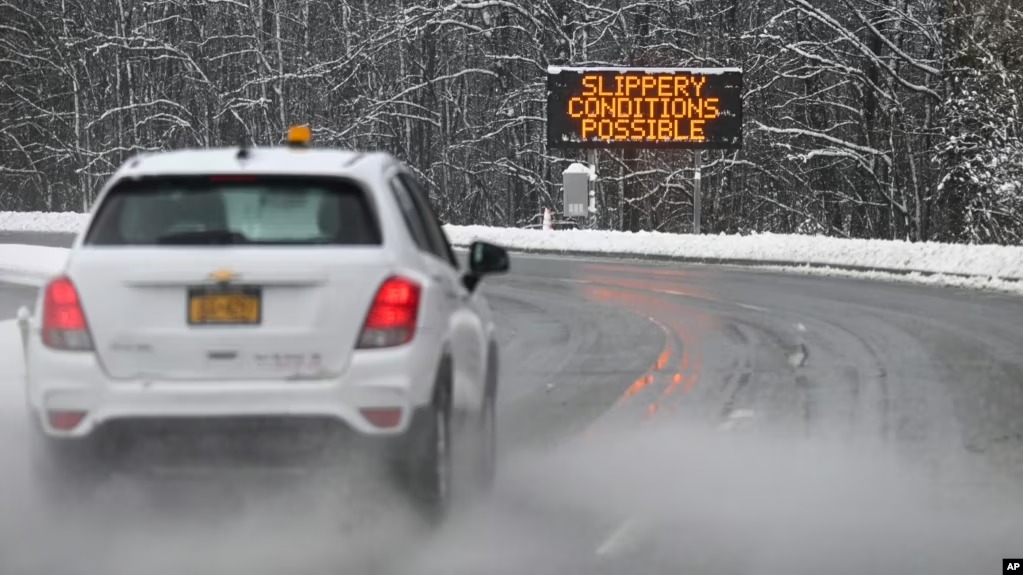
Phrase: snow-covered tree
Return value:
(981, 148)
(864, 118)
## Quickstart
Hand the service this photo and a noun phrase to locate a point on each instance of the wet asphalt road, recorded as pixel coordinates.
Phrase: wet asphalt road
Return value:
(660, 418)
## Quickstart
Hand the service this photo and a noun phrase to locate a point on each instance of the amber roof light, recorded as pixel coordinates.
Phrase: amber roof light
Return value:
(300, 136)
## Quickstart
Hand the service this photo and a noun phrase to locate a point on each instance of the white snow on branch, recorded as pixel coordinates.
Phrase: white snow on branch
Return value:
(828, 138)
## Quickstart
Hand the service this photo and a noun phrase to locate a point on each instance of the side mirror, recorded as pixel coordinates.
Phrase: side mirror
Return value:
(484, 259)
(487, 258)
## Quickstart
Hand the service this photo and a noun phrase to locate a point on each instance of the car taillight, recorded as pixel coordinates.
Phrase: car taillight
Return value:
(382, 417)
(64, 325)
(65, 420)
(392, 319)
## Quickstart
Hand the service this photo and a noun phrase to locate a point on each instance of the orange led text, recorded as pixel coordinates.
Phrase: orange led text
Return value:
(644, 107)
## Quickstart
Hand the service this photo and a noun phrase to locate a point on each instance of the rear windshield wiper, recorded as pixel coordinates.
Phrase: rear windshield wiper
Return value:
(205, 237)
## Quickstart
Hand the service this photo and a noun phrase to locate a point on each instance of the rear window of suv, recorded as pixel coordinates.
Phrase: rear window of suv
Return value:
(234, 210)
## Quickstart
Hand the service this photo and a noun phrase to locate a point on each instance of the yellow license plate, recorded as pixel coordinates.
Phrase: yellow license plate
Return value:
(241, 307)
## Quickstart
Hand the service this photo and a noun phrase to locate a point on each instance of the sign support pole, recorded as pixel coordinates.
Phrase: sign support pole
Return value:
(589, 220)
(697, 177)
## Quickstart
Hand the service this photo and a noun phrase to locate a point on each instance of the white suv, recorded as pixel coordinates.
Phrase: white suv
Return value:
(253, 292)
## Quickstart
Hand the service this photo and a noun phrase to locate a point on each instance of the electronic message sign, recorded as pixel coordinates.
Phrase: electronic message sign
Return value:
(644, 108)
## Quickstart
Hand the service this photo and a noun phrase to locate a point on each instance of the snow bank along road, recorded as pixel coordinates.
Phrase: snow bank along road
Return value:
(686, 419)
(984, 266)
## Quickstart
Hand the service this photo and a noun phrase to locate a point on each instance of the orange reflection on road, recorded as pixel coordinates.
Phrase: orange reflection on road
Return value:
(639, 385)
(648, 378)
(663, 360)
(634, 289)
(672, 288)
(689, 372)
(633, 300)
(606, 268)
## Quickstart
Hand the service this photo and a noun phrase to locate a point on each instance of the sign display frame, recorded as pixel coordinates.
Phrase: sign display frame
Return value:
(644, 108)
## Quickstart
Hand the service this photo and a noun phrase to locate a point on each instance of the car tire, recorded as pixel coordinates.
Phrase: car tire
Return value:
(427, 462)
(65, 472)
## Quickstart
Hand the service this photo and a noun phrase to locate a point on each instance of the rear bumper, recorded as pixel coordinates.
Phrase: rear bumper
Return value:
(226, 443)
(75, 381)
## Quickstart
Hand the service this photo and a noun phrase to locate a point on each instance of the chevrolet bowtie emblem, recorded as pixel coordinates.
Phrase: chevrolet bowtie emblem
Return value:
(223, 276)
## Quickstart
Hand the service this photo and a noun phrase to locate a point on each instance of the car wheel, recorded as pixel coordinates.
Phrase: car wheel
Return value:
(428, 459)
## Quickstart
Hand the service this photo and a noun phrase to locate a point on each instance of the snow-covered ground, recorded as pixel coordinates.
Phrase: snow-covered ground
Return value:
(68, 222)
(988, 283)
(789, 250)
(988, 267)
(31, 265)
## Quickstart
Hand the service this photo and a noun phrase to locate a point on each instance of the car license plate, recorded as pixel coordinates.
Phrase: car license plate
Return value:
(224, 306)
